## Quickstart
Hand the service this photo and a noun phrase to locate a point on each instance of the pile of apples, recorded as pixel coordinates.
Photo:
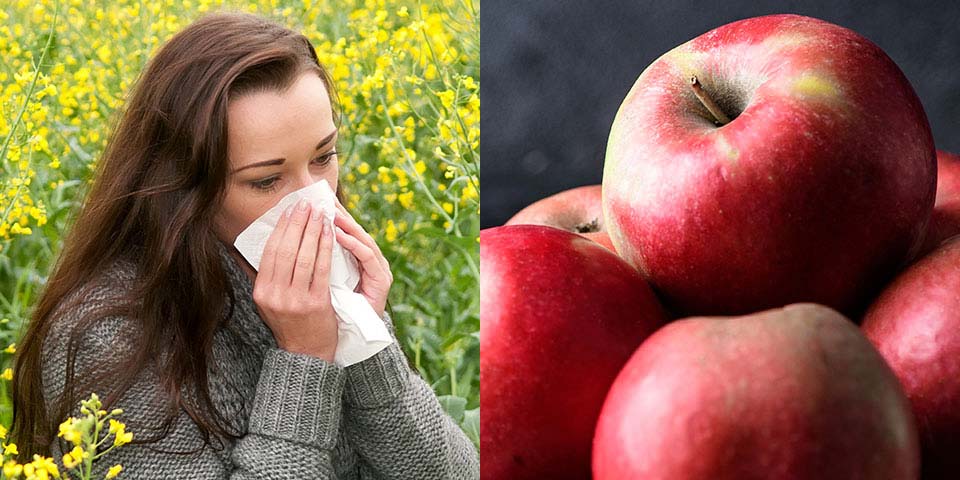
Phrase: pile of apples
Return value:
(763, 287)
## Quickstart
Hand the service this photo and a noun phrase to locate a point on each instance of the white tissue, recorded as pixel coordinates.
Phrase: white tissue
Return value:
(361, 332)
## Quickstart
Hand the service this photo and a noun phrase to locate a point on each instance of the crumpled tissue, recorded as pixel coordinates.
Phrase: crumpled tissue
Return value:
(361, 332)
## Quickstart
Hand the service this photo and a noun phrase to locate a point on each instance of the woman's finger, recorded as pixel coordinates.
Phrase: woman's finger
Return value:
(307, 256)
(268, 258)
(350, 225)
(354, 227)
(367, 258)
(290, 244)
(321, 270)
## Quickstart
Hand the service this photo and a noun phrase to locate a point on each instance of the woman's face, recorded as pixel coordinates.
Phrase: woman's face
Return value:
(279, 142)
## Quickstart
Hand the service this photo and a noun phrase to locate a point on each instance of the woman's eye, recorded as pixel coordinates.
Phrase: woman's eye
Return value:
(266, 184)
(270, 184)
(325, 157)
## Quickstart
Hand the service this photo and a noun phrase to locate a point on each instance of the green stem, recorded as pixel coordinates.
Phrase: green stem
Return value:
(453, 380)
(416, 354)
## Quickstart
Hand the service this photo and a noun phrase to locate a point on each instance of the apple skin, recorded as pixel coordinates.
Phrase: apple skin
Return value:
(915, 324)
(578, 210)
(559, 316)
(790, 393)
(819, 190)
(945, 220)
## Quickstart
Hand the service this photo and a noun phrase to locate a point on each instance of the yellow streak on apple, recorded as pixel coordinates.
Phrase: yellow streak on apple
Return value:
(726, 149)
(813, 85)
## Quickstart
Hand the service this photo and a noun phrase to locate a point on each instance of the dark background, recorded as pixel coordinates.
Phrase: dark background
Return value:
(555, 71)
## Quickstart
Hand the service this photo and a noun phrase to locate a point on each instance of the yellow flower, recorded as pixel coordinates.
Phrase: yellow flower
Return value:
(447, 97)
(44, 466)
(391, 231)
(16, 228)
(3, 431)
(401, 175)
(363, 168)
(12, 469)
(430, 73)
(73, 458)
(448, 207)
(474, 102)
(121, 435)
(340, 71)
(114, 471)
(104, 54)
(384, 175)
(445, 133)
(69, 431)
(406, 200)
(469, 192)
(8, 373)
(10, 449)
(123, 439)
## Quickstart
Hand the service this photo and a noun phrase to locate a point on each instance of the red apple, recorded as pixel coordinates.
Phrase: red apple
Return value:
(791, 393)
(819, 189)
(915, 324)
(559, 316)
(576, 210)
(945, 220)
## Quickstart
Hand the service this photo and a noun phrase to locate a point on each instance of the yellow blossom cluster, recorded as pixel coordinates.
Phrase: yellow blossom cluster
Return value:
(84, 434)
(407, 81)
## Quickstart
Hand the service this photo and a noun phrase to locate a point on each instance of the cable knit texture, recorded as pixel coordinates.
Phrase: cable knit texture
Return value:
(301, 417)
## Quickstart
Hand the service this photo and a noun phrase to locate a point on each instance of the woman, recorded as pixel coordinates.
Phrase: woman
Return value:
(222, 371)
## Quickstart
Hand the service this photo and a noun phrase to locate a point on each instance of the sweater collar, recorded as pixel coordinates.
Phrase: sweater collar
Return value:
(245, 315)
(239, 281)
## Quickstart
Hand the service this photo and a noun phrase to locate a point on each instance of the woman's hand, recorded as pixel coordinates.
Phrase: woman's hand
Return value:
(292, 288)
(375, 276)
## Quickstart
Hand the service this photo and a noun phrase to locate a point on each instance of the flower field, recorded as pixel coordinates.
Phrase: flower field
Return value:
(407, 75)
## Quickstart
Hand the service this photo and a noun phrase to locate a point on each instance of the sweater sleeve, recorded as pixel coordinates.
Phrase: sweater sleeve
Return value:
(396, 424)
(292, 428)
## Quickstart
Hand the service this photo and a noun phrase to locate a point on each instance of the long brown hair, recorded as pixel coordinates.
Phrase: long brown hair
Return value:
(156, 189)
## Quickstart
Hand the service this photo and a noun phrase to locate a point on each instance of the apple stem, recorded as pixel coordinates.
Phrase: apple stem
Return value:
(708, 102)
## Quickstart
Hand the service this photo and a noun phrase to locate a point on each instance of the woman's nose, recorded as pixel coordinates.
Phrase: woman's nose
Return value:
(303, 179)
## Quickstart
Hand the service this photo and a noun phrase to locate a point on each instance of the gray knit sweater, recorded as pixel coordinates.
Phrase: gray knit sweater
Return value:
(302, 417)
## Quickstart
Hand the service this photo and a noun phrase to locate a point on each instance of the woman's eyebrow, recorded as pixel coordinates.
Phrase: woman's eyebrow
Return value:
(279, 161)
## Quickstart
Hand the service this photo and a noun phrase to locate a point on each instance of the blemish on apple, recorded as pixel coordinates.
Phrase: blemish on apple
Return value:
(815, 86)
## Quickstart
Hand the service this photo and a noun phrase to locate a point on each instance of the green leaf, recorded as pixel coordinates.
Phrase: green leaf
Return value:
(471, 425)
(453, 405)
